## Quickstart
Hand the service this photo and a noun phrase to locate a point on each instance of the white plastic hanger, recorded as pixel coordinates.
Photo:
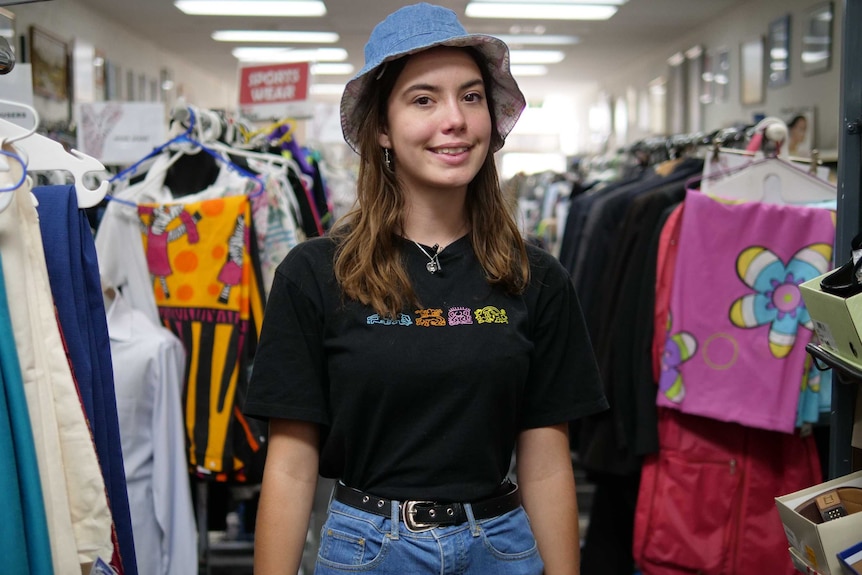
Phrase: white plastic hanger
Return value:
(279, 163)
(772, 180)
(211, 129)
(775, 181)
(44, 154)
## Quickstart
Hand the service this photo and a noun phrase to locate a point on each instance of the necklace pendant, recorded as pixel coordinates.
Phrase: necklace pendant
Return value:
(431, 267)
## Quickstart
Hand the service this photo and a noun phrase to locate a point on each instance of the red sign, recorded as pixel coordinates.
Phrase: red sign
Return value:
(273, 84)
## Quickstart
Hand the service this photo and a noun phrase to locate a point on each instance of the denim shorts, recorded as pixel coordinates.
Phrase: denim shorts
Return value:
(355, 541)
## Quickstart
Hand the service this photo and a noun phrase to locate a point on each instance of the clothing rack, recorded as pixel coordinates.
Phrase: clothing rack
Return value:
(841, 453)
(219, 134)
(813, 159)
(727, 137)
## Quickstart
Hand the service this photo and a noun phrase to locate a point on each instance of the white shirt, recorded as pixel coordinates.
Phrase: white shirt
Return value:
(120, 246)
(149, 362)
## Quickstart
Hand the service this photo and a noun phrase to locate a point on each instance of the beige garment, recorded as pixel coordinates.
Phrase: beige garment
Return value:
(76, 506)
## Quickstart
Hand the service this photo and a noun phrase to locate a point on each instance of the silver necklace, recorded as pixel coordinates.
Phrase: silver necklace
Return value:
(433, 264)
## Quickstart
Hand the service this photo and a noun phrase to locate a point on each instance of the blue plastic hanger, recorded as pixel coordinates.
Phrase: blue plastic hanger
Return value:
(186, 138)
(5, 195)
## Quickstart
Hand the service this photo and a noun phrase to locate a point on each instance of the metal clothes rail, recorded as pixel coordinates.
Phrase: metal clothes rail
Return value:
(849, 220)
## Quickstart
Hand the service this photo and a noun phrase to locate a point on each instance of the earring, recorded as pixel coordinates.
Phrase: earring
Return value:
(387, 159)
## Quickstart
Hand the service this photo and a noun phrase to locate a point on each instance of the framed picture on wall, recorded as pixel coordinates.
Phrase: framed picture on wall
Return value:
(112, 81)
(801, 129)
(658, 105)
(166, 87)
(141, 91)
(721, 75)
(817, 39)
(7, 27)
(751, 61)
(99, 72)
(694, 61)
(130, 86)
(49, 57)
(707, 79)
(677, 106)
(779, 51)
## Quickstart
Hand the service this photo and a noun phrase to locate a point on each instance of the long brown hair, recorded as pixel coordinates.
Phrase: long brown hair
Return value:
(367, 261)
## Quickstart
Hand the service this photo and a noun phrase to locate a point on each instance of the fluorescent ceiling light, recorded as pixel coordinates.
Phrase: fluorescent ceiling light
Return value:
(576, 2)
(289, 55)
(538, 40)
(332, 69)
(252, 7)
(282, 36)
(529, 70)
(326, 89)
(812, 57)
(657, 86)
(536, 56)
(676, 60)
(541, 11)
(694, 52)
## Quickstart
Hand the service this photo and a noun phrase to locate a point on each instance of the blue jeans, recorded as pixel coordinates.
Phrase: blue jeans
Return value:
(354, 541)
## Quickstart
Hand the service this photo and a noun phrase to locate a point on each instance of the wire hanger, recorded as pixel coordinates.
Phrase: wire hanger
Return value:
(44, 155)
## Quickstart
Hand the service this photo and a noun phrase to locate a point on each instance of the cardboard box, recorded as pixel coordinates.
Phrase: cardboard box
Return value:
(800, 563)
(818, 544)
(837, 320)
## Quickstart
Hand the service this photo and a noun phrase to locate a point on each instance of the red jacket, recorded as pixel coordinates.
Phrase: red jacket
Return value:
(706, 500)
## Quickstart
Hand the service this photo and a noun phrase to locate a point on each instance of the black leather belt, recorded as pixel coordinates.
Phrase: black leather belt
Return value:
(424, 515)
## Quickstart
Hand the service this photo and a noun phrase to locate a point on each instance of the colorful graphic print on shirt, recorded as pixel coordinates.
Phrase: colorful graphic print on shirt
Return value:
(435, 317)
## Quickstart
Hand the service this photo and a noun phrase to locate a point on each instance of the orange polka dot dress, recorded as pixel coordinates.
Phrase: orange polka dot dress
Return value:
(206, 288)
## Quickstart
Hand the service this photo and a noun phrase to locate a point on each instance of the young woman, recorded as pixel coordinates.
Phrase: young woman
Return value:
(409, 353)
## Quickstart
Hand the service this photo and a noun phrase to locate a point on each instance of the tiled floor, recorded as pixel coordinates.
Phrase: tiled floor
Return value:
(227, 557)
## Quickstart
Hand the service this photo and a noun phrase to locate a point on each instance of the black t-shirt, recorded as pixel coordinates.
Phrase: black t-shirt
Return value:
(427, 405)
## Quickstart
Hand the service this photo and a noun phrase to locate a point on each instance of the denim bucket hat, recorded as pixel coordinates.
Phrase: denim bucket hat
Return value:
(419, 27)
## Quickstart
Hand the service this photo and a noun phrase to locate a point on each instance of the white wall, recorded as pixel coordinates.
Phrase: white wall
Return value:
(743, 24)
(630, 80)
(124, 47)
